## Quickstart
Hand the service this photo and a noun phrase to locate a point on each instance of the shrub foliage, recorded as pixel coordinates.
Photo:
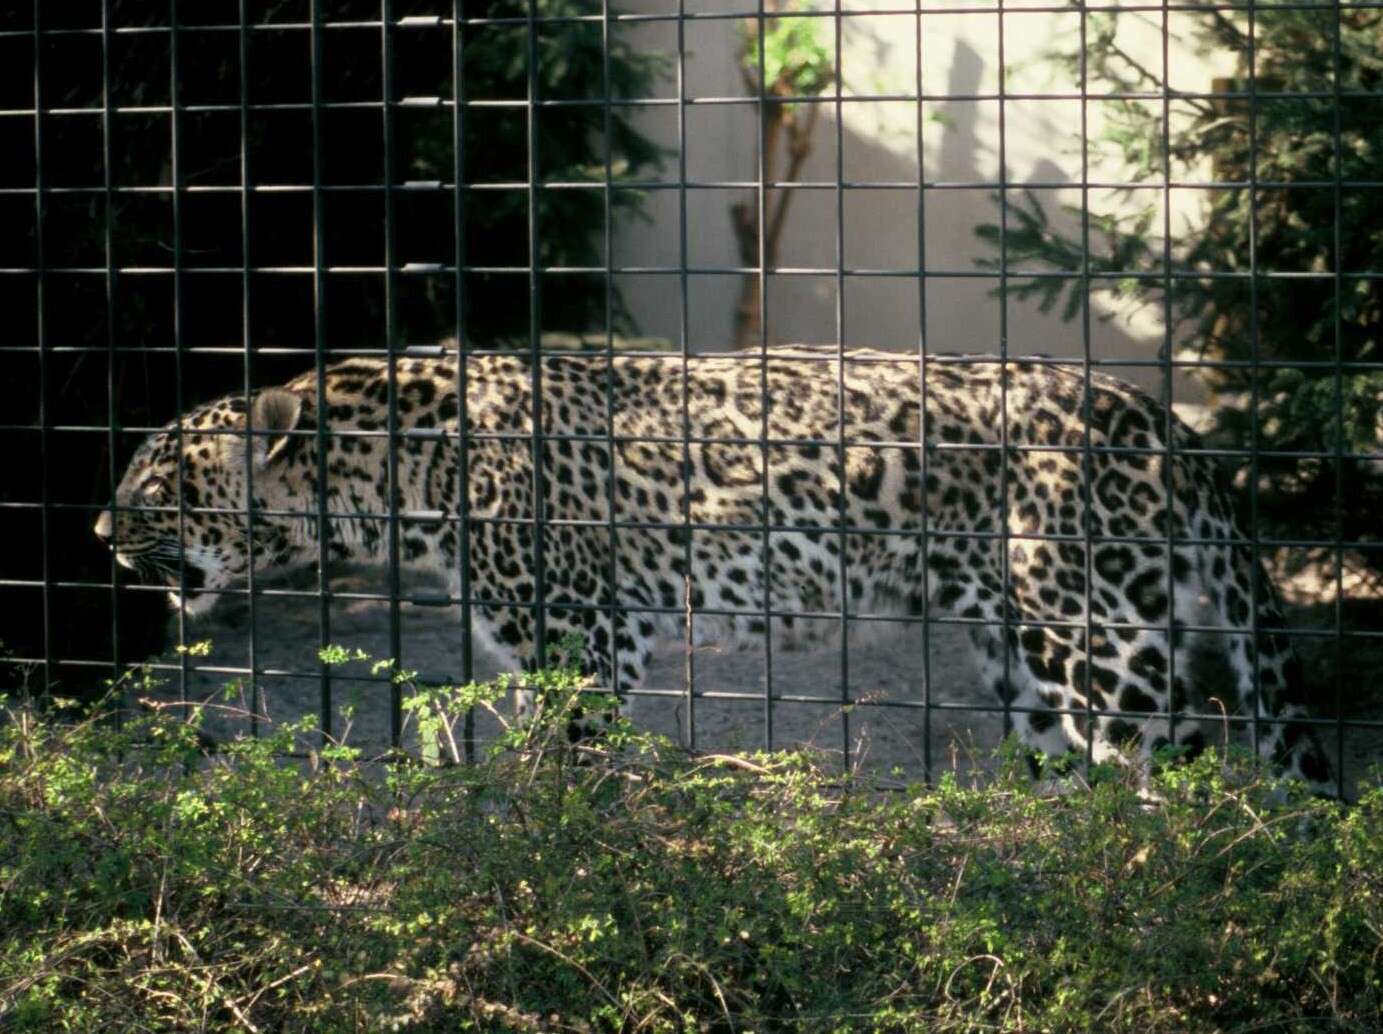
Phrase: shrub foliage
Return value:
(149, 885)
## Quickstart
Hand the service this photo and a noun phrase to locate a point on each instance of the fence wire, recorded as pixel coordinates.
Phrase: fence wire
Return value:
(185, 164)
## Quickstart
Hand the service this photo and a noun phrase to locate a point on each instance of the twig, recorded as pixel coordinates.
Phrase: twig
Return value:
(570, 962)
(281, 980)
(733, 761)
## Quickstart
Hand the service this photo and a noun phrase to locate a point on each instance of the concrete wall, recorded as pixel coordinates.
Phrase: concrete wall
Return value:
(876, 142)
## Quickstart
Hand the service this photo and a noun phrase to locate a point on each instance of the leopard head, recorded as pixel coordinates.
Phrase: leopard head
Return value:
(181, 513)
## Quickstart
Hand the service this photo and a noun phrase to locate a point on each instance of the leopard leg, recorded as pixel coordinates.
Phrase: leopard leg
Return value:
(611, 638)
(966, 582)
(617, 650)
(1270, 680)
(1100, 655)
(616, 660)
(1109, 698)
(1012, 673)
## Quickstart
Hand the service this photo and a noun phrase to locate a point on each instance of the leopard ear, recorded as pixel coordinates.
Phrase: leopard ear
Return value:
(274, 414)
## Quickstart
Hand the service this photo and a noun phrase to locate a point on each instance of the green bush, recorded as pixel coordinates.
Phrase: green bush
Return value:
(1282, 132)
(147, 885)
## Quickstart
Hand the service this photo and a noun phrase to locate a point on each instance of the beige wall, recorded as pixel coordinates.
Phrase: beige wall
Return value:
(878, 143)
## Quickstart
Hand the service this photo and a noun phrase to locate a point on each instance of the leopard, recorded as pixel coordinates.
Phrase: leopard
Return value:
(1074, 525)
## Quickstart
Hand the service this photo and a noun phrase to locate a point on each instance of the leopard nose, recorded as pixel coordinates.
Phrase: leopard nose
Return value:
(104, 527)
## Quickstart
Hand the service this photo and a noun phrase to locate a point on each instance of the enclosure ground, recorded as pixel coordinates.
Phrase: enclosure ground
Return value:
(887, 731)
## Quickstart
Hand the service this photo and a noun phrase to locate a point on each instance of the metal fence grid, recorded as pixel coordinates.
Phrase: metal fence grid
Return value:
(69, 65)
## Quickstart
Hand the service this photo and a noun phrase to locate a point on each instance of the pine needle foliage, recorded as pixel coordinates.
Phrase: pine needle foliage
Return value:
(1289, 301)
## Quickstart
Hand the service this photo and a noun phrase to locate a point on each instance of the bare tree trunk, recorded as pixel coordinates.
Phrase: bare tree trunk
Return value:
(779, 120)
(749, 310)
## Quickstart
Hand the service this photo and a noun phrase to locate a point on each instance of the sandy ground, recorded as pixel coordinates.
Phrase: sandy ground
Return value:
(885, 732)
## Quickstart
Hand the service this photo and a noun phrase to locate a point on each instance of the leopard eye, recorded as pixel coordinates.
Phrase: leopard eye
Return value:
(155, 490)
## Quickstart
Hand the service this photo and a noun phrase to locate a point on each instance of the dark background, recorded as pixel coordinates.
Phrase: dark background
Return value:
(102, 339)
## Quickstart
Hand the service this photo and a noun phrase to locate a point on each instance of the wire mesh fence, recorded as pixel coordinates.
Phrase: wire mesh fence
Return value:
(468, 281)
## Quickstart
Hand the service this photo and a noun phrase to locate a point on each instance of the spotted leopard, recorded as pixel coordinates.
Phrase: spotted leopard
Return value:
(740, 486)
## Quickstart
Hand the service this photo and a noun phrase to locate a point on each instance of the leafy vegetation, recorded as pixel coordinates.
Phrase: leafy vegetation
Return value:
(147, 884)
(1307, 78)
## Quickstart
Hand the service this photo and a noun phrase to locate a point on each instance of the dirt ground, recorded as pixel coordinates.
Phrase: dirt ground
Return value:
(886, 731)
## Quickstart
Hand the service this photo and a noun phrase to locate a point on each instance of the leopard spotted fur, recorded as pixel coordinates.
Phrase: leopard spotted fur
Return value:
(1052, 520)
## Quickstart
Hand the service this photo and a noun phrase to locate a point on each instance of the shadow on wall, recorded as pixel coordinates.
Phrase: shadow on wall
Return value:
(879, 230)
